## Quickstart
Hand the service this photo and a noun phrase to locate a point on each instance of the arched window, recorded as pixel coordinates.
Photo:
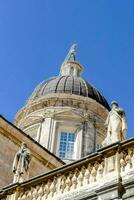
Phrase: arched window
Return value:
(71, 71)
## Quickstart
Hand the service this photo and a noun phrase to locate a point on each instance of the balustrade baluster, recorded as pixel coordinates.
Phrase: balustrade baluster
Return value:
(87, 174)
(47, 189)
(74, 179)
(63, 183)
(35, 193)
(93, 174)
(40, 192)
(100, 171)
(81, 176)
(68, 182)
(122, 161)
(52, 187)
(29, 195)
(20, 196)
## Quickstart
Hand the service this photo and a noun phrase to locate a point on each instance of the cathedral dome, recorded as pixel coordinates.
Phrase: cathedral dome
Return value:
(65, 114)
(69, 85)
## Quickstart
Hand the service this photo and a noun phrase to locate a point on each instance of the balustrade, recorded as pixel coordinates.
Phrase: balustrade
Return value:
(86, 173)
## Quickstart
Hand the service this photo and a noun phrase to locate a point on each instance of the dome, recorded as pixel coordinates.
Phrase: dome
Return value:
(65, 108)
(69, 82)
(68, 85)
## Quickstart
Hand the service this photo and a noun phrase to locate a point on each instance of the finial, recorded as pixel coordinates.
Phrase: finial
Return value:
(71, 54)
(114, 102)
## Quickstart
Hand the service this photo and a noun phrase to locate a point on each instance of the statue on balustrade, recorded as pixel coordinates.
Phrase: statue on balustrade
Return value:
(21, 164)
(116, 125)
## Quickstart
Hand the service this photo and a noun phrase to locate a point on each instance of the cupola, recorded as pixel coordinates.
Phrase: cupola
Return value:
(70, 66)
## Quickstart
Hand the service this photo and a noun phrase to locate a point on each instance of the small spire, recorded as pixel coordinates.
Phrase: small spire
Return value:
(71, 54)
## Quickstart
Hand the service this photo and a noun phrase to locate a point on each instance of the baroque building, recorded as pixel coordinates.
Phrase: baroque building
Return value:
(63, 127)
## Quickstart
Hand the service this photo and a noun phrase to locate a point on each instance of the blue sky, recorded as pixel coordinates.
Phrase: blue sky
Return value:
(36, 35)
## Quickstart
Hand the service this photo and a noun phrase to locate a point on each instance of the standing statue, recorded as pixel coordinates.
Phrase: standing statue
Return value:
(116, 125)
(71, 54)
(21, 164)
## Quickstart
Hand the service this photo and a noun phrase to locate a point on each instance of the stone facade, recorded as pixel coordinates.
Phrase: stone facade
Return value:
(104, 175)
(10, 142)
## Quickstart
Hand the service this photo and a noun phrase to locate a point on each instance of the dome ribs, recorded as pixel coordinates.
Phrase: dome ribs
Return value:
(86, 87)
(80, 89)
(76, 86)
(72, 89)
(56, 88)
(51, 86)
(65, 82)
(60, 84)
(69, 85)
(44, 87)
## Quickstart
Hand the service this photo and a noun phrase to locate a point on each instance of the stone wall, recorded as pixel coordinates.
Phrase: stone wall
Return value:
(7, 153)
(11, 139)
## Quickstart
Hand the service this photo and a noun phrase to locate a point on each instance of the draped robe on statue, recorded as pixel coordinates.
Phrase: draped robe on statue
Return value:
(117, 126)
(21, 164)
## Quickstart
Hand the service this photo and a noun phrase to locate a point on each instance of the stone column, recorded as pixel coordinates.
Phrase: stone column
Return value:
(39, 132)
(45, 132)
(53, 136)
(89, 133)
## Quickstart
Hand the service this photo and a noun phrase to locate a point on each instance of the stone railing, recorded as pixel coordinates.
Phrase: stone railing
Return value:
(93, 171)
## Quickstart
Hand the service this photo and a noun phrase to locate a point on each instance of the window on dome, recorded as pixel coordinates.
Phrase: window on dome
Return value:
(67, 143)
(71, 71)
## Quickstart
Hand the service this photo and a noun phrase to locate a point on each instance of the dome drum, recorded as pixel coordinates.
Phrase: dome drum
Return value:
(57, 101)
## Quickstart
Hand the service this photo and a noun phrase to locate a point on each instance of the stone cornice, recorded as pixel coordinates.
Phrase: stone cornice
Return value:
(67, 63)
(55, 100)
(64, 112)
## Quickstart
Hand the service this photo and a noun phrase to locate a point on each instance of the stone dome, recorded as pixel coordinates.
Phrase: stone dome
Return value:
(70, 85)
(65, 107)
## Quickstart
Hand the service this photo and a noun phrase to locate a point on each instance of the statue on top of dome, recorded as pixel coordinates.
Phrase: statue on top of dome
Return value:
(71, 54)
(116, 125)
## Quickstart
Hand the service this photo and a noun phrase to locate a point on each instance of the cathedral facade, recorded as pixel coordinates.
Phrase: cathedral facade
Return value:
(67, 151)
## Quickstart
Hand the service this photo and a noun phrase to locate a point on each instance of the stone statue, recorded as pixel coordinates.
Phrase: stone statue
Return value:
(116, 125)
(21, 164)
(71, 54)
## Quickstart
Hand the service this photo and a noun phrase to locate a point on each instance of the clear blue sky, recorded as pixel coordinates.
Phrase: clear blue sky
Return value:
(35, 37)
